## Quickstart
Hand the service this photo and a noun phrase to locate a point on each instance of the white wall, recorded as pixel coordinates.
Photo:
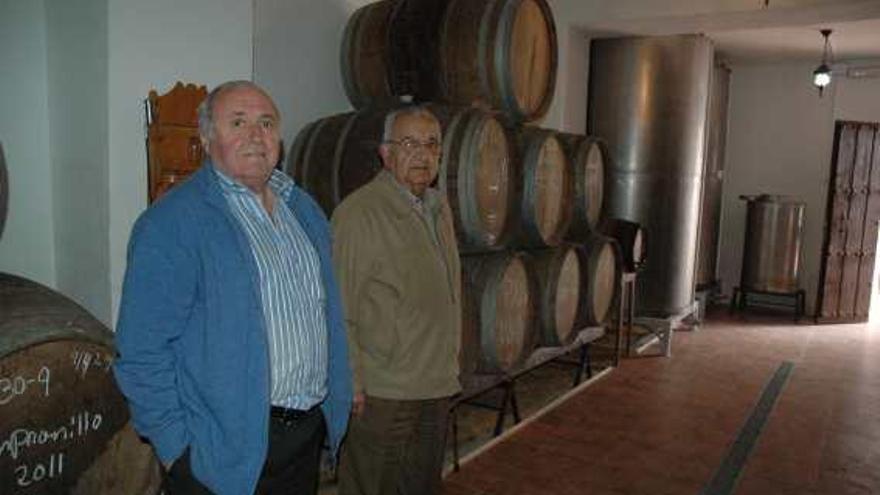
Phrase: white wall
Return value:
(77, 76)
(779, 142)
(298, 62)
(857, 99)
(26, 245)
(151, 46)
(79, 183)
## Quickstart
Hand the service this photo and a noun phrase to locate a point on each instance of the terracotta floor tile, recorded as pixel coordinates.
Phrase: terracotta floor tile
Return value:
(663, 426)
(760, 485)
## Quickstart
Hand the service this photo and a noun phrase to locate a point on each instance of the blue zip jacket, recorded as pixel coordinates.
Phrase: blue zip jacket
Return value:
(193, 351)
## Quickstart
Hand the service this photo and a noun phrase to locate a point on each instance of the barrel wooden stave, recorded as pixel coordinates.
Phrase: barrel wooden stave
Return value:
(546, 187)
(499, 54)
(59, 405)
(483, 53)
(364, 57)
(601, 262)
(477, 176)
(497, 313)
(334, 156)
(586, 156)
(413, 48)
(559, 280)
(529, 83)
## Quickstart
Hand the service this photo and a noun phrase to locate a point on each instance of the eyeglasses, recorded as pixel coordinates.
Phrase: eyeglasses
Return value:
(411, 145)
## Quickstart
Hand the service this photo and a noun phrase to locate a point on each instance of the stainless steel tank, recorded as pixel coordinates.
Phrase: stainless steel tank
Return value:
(772, 251)
(713, 177)
(648, 100)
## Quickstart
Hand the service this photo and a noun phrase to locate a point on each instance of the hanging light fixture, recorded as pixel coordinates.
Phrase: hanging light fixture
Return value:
(822, 74)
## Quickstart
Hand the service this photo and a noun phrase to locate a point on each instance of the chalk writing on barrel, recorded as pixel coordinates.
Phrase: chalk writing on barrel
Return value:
(11, 388)
(26, 474)
(20, 439)
(84, 360)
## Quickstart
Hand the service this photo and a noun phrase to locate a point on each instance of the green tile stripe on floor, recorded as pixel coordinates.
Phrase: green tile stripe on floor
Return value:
(724, 481)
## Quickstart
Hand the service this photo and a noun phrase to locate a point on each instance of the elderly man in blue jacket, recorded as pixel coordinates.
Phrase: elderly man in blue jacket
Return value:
(232, 350)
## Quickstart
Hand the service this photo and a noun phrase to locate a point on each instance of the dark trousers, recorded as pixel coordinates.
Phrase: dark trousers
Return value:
(395, 448)
(291, 467)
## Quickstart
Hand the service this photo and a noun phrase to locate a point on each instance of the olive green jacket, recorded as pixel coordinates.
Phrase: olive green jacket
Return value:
(401, 289)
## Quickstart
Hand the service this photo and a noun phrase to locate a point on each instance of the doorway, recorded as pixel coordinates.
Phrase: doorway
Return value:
(851, 222)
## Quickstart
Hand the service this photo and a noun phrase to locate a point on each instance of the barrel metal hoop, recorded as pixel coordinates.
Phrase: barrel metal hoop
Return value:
(14, 342)
(467, 183)
(503, 62)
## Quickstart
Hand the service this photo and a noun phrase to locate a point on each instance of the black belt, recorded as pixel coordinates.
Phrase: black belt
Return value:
(285, 414)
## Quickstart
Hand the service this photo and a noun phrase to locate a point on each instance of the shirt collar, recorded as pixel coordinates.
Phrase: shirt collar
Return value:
(427, 204)
(279, 183)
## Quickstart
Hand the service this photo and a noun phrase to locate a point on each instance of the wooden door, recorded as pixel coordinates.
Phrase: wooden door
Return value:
(852, 214)
(173, 147)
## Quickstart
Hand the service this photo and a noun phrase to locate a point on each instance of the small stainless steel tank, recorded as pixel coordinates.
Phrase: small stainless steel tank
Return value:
(772, 251)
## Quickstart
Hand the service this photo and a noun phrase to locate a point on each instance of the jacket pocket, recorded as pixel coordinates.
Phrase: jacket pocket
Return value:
(377, 336)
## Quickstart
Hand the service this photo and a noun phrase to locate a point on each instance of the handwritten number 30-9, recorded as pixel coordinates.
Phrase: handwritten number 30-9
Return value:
(13, 387)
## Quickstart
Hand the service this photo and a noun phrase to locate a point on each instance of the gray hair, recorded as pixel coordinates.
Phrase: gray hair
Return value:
(392, 117)
(206, 108)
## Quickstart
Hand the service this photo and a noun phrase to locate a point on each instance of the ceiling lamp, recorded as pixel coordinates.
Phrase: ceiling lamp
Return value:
(822, 74)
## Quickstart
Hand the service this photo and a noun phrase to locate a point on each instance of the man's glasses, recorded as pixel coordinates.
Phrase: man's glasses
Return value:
(411, 145)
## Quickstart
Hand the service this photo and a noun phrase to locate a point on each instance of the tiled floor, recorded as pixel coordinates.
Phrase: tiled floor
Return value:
(663, 426)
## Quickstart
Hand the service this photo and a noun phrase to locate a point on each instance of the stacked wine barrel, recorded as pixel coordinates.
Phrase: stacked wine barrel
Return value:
(64, 426)
(527, 201)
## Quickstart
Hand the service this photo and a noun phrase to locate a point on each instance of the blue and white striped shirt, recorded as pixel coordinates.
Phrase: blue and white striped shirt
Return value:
(291, 290)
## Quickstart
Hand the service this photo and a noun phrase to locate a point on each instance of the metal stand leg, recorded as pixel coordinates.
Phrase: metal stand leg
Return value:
(588, 361)
(626, 312)
(505, 398)
(632, 313)
(579, 370)
(619, 329)
(800, 305)
(514, 405)
(666, 341)
(455, 464)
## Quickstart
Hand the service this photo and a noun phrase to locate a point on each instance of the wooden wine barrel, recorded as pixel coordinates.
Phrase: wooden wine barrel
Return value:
(60, 410)
(497, 314)
(559, 281)
(587, 156)
(413, 48)
(631, 238)
(545, 180)
(494, 54)
(4, 191)
(364, 56)
(478, 176)
(334, 156)
(501, 54)
(601, 278)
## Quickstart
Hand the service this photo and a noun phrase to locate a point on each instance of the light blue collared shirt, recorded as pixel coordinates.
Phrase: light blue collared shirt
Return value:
(291, 291)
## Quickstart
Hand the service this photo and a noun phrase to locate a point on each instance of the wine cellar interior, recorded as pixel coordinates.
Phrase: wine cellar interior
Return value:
(667, 233)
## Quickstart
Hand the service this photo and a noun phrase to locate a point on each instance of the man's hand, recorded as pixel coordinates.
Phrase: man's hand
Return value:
(357, 403)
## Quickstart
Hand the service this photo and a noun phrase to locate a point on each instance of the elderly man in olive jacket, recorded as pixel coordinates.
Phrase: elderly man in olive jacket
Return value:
(399, 273)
